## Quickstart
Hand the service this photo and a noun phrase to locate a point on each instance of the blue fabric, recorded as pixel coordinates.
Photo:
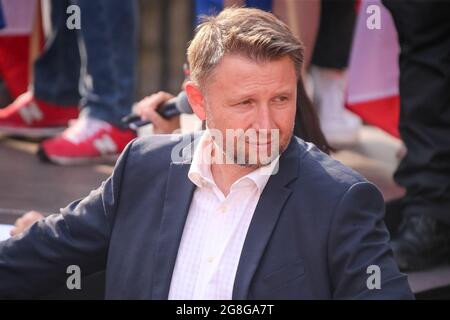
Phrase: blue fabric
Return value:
(212, 7)
(2, 18)
(317, 228)
(208, 7)
(104, 78)
(261, 4)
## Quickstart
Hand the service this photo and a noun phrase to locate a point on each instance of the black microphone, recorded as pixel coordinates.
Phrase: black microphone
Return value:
(169, 109)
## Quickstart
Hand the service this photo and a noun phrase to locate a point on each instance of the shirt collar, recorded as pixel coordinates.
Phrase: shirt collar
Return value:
(200, 169)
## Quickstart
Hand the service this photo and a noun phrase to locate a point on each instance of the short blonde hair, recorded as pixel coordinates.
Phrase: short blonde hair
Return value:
(254, 33)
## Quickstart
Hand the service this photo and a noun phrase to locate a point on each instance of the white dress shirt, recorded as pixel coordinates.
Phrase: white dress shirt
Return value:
(215, 230)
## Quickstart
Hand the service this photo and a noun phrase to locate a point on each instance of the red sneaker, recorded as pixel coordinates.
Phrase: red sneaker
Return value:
(32, 118)
(88, 140)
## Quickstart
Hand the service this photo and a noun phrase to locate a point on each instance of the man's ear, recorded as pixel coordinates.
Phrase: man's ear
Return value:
(196, 99)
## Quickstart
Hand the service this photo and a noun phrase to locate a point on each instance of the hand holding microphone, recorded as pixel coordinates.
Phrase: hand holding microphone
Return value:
(162, 109)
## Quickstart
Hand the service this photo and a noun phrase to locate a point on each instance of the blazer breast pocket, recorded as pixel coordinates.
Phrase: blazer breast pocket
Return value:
(284, 275)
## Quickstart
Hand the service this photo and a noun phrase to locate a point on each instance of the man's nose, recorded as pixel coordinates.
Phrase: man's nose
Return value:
(263, 118)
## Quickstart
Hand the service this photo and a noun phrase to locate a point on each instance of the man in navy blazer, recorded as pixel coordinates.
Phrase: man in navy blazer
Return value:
(316, 229)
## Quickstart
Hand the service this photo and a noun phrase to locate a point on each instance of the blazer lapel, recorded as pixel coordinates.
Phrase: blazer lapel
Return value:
(177, 201)
(265, 218)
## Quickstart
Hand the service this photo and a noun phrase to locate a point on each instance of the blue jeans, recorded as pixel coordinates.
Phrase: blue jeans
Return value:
(93, 66)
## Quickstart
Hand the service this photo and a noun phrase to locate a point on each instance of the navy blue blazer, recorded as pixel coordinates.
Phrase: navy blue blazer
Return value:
(317, 228)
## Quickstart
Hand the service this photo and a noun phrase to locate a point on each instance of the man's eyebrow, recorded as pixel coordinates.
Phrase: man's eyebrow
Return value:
(237, 97)
(284, 90)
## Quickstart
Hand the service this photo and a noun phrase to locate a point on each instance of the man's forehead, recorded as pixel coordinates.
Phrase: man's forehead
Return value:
(235, 60)
(238, 69)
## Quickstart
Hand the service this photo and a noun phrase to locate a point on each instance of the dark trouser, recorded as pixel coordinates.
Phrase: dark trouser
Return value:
(95, 63)
(333, 44)
(424, 36)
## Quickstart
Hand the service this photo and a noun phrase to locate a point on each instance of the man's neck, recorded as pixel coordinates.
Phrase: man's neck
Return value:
(225, 175)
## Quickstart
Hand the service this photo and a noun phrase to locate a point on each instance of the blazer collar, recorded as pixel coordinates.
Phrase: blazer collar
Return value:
(264, 219)
(178, 197)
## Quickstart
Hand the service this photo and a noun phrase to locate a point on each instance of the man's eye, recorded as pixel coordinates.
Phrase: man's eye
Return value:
(246, 102)
(281, 99)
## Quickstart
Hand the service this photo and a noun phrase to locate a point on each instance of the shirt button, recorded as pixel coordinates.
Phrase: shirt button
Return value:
(210, 259)
(223, 209)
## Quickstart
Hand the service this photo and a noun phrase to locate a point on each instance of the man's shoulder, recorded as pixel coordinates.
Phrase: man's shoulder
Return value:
(161, 148)
(323, 182)
(148, 145)
(317, 166)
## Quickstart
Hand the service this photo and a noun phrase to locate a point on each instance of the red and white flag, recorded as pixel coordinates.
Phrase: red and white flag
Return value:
(373, 71)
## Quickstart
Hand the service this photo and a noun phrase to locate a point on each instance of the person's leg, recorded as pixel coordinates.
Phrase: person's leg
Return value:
(107, 44)
(328, 72)
(334, 39)
(57, 70)
(46, 109)
(108, 48)
(303, 17)
(424, 35)
(14, 63)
